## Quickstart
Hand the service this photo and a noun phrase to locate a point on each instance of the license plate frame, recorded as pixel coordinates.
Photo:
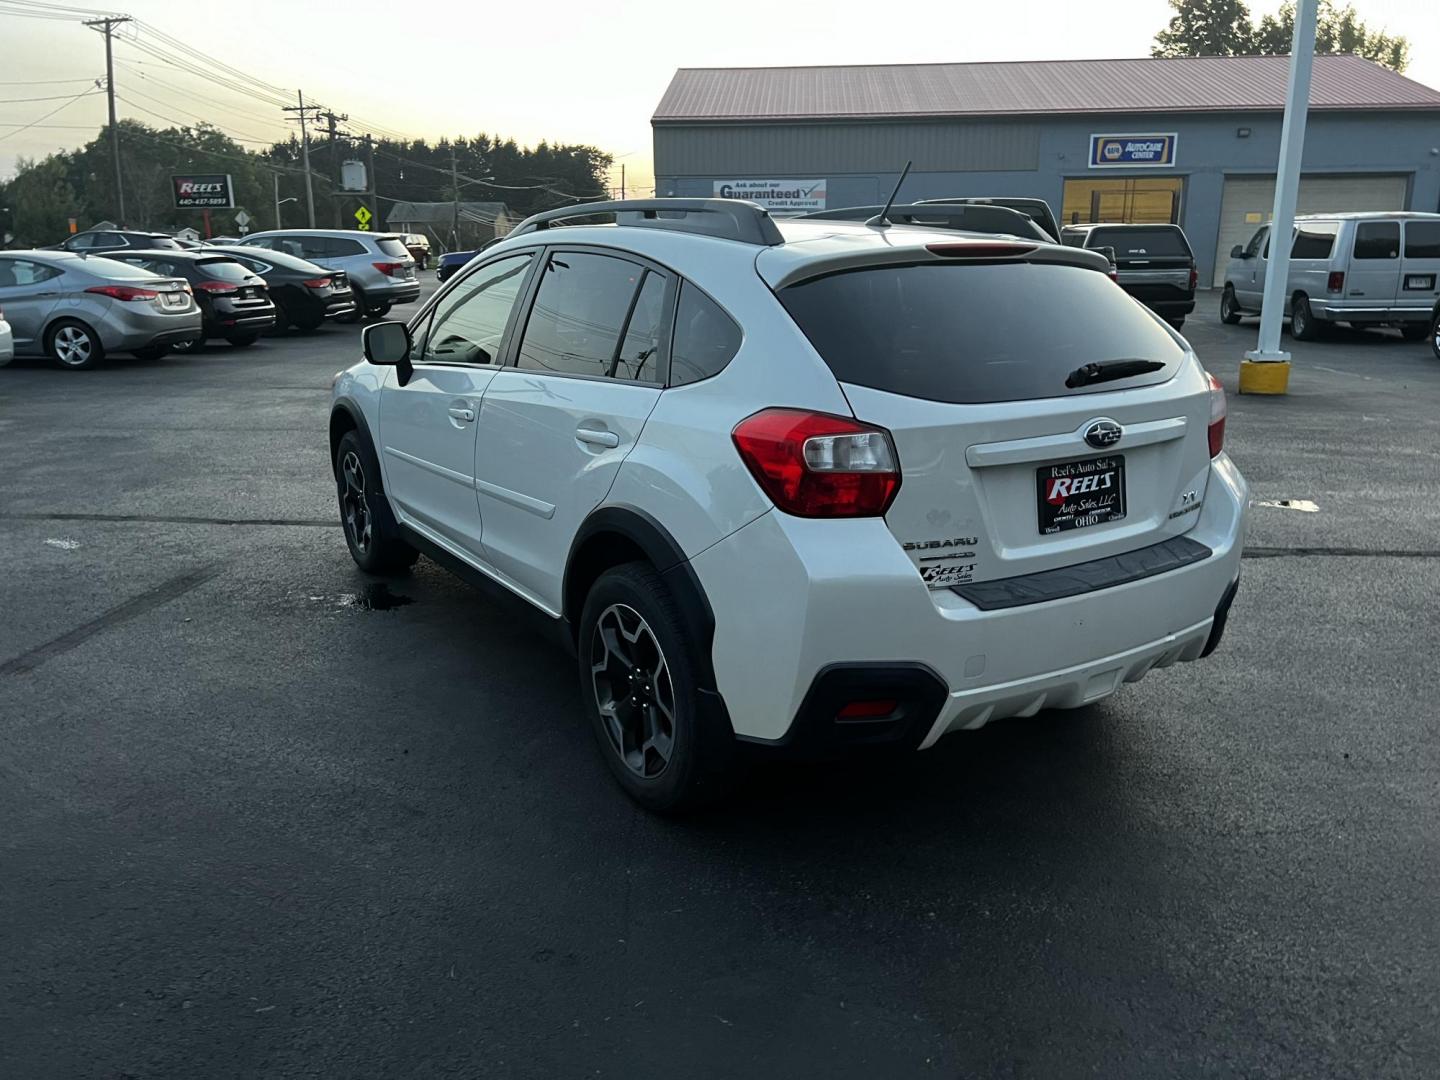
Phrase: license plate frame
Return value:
(1100, 497)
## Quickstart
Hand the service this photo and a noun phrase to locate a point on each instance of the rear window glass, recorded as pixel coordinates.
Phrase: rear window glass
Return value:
(1314, 239)
(1422, 240)
(1377, 240)
(1138, 243)
(976, 333)
(164, 243)
(114, 268)
(226, 269)
(392, 247)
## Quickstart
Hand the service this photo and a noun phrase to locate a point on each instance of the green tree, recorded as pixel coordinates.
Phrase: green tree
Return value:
(42, 198)
(1206, 28)
(1337, 30)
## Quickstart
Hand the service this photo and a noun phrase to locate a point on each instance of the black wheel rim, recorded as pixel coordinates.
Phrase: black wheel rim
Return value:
(633, 690)
(354, 510)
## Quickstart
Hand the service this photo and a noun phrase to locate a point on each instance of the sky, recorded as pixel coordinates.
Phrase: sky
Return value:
(567, 72)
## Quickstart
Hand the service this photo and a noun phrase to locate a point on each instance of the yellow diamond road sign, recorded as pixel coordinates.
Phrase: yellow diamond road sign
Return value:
(363, 215)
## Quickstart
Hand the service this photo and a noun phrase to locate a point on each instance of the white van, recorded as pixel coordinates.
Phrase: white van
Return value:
(1373, 269)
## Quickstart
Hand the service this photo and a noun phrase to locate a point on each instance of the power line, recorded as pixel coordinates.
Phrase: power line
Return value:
(52, 112)
(23, 100)
(191, 124)
(134, 69)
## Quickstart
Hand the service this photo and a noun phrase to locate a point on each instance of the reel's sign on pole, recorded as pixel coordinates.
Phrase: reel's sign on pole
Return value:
(204, 191)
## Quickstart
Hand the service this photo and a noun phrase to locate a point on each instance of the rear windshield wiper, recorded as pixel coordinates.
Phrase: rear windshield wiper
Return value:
(1109, 370)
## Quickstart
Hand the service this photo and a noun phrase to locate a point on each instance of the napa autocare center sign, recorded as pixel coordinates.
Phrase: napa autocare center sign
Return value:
(1132, 151)
(780, 197)
(204, 191)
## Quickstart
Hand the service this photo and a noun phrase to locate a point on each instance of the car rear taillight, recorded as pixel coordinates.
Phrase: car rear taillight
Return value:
(1113, 275)
(317, 283)
(390, 269)
(1336, 281)
(1194, 278)
(124, 292)
(217, 288)
(1216, 430)
(817, 465)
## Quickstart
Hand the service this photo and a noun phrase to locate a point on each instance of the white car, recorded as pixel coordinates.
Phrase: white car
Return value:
(7, 341)
(806, 486)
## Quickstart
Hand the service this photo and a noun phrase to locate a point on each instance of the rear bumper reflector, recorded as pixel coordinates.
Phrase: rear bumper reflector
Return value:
(1084, 577)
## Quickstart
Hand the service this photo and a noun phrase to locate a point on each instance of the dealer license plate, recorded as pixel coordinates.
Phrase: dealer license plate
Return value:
(1077, 494)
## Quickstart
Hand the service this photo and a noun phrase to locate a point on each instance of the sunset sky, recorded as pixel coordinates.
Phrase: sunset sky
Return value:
(568, 72)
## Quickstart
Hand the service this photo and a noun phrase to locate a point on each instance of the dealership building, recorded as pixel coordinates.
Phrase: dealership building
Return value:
(1190, 140)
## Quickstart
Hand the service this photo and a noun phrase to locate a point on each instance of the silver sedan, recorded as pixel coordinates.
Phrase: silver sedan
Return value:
(76, 309)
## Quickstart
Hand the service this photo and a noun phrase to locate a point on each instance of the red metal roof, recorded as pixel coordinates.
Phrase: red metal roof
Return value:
(1148, 85)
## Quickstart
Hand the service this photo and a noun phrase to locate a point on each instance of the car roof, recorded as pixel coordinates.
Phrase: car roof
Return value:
(1086, 226)
(163, 253)
(58, 254)
(1367, 215)
(347, 233)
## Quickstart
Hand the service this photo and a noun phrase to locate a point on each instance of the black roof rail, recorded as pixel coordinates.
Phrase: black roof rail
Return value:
(966, 217)
(729, 219)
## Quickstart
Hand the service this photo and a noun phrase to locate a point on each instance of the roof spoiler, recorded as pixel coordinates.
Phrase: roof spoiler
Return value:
(729, 219)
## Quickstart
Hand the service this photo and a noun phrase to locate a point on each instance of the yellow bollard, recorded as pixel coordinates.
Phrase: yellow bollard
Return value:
(1264, 376)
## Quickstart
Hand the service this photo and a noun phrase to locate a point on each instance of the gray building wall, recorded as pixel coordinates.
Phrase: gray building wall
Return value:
(860, 162)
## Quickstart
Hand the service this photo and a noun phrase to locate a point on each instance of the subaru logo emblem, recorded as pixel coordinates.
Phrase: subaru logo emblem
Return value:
(1103, 433)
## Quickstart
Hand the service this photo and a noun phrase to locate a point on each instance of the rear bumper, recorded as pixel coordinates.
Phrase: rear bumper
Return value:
(122, 330)
(396, 292)
(1352, 311)
(793, 598)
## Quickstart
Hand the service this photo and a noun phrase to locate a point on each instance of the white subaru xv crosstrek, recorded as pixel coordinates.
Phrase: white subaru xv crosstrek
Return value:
(800, 485)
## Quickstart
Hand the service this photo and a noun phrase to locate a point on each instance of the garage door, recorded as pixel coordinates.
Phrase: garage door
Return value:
(1248, 201)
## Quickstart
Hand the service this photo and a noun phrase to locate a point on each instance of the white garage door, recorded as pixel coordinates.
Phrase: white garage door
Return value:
(1248, 201)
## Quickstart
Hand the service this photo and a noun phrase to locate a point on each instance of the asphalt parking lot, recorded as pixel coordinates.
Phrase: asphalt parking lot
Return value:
(259, 817)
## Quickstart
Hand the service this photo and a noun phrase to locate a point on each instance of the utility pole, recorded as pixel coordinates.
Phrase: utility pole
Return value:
(455, 204)
(277, 201)
(333, 118)
(304, 152)
(622, 180)
(107, 26)
(1266, 370)
(374, 181)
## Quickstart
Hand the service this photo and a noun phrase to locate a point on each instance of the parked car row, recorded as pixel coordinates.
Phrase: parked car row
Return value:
(123, 292)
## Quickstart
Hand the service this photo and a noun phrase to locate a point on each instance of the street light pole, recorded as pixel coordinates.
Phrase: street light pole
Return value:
(1266, 369)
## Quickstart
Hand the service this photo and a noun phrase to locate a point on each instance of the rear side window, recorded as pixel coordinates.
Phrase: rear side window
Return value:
(1140, 243)
(1314, 239)
(16, 272)
(580, 310)
(226, 269)
(705, 338)
(1422, 240)
(1377, 240)
(977, 333)
(388, 245)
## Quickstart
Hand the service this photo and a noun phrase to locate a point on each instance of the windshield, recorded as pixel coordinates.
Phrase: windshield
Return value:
(969, 333)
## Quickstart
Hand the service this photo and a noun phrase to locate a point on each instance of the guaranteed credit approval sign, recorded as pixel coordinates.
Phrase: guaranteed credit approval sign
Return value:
(204, 191)
(778, 196)
(1132, 151)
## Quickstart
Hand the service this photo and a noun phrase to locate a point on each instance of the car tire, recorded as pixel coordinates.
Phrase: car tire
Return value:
(637, 678)
(1302, 322)
(1435, 335)
(194, 345)
(309, 323)
(71, 344)
(242, 340)
(1178, 324)
(359, 312)
(1229, 309)
(377, 311)
(151, 352)
(1414, 331)
(371, 533)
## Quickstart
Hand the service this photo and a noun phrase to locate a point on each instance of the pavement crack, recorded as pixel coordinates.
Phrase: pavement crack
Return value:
(165, 519)
(1338, 552)
(130, 609)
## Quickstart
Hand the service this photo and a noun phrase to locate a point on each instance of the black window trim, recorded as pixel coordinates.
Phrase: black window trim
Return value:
(667, 315)
(507, 338)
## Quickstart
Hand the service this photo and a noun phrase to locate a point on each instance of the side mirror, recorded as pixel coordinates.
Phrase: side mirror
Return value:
(1237, 252)
(386, 344)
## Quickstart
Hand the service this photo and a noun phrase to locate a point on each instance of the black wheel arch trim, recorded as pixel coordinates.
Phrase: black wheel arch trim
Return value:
(669, 559)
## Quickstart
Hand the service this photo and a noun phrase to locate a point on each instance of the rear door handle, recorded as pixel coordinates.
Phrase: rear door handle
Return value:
(596, 437)
(460, 413)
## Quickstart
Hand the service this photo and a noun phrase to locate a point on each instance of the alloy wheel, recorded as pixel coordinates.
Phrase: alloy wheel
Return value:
(353, 508)
(633, 690)
(73, 346)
